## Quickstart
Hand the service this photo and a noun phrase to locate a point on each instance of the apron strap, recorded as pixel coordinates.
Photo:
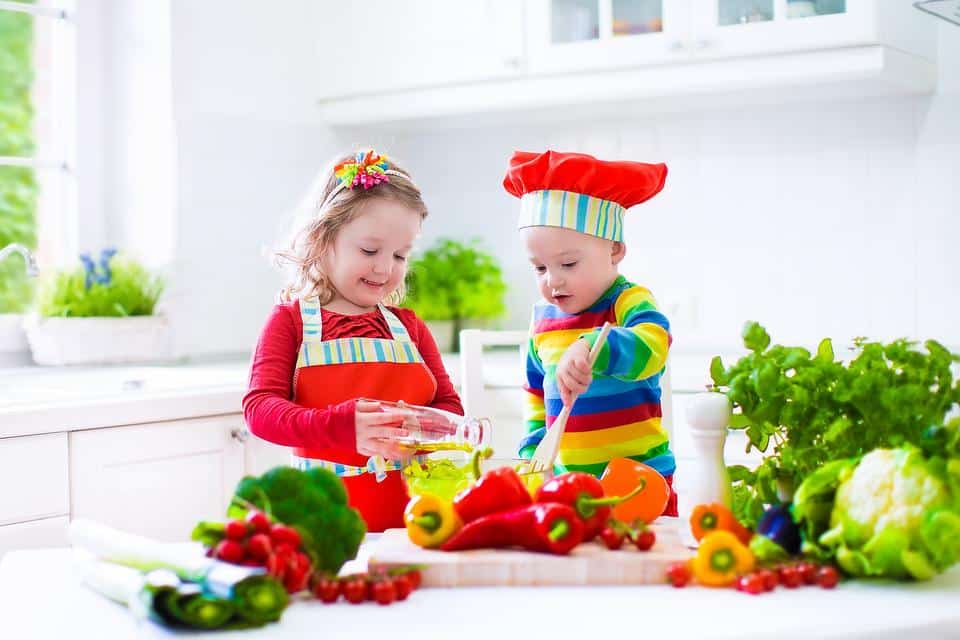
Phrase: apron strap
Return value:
(312, 320)
(397, 330)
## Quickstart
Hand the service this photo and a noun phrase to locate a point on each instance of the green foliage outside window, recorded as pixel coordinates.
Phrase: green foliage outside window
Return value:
(18, 187)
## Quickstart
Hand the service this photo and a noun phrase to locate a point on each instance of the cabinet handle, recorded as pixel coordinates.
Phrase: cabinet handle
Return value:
(513, 62)
(701, 44)
(677, 45)
(240, 434)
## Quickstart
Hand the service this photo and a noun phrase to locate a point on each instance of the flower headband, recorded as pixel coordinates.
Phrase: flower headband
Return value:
(367, 170)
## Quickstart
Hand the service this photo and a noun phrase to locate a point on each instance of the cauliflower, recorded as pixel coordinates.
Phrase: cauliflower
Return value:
(893, 513)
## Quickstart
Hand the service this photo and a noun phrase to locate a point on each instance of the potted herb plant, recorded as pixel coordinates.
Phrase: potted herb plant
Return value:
(452, 285)
(99, 313)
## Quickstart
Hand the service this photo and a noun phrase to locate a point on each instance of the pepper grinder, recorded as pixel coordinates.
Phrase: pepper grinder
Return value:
(709, 418)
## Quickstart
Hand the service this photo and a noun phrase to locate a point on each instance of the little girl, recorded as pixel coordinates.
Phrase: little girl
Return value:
(332, 340)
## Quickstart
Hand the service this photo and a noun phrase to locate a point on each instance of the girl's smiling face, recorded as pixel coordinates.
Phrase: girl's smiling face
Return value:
(573, 269)
(368, 258)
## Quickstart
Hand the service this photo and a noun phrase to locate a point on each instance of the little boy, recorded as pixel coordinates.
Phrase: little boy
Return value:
(571, 217)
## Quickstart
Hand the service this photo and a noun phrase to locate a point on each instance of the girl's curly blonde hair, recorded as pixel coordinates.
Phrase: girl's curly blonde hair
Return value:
(326, 215)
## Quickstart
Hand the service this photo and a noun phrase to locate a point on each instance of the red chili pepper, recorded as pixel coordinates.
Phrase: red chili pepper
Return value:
(550, 527)
(495, 491)
(584, 493)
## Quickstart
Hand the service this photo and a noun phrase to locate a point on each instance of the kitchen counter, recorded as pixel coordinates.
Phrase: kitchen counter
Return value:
(43, 598)
(36, 400)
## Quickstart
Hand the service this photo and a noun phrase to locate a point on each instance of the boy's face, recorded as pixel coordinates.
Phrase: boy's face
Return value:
(573, 269)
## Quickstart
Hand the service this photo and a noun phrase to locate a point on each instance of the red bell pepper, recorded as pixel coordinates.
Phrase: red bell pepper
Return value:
(548, 527)
(495, 491)
(584, 493)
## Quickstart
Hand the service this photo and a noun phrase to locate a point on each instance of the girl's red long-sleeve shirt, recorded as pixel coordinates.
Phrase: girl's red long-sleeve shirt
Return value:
(268, 407)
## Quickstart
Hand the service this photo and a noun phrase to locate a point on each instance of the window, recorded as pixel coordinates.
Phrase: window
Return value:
(37, 115)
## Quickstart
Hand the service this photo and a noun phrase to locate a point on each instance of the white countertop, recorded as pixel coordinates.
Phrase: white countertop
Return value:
(37, 400)
(42, 597)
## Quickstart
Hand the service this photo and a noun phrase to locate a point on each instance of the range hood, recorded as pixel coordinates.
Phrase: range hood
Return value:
(949, 10)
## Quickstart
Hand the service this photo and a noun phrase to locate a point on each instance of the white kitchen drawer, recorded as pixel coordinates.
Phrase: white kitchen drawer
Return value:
(37, 534)
(35, 475)
(157, 479)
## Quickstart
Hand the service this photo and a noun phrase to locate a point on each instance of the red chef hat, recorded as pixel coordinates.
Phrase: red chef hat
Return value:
(577, 191)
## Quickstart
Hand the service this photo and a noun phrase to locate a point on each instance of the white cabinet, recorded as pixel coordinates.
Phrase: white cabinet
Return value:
(573, 35)
(34, 475)
(378, 46)
(513, 62)
(157, 479)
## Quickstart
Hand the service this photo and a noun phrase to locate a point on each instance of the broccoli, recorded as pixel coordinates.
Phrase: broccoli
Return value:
(893, 513)
(315, 503)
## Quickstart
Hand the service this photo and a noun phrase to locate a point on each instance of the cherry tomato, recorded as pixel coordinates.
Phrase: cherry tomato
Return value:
(258, 521)
(355, 590)
(259, 547)
(236, 530)
(678, 573)
(229, 551)
(327, 590)
(751, 583)
(281, 533)
(402, 586)
(612, 538)
(808, 571)
(297, 575)
(384, 592)
(827, 577)
(645, 540)
(415, 578)
(790, 576)
(770, 579)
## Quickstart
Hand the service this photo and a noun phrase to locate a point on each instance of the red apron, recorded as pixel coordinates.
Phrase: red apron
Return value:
(334, 371)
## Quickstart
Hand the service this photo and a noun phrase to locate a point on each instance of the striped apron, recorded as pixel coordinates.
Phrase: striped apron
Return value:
(333, 371)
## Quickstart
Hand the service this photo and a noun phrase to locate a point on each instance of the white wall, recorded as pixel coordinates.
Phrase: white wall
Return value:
(247, 146)
(816, 220)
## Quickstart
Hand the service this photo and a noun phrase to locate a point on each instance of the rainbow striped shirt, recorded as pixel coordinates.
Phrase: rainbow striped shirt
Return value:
(618, 416)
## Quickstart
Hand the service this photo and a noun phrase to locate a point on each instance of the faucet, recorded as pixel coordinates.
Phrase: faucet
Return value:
(28, 258)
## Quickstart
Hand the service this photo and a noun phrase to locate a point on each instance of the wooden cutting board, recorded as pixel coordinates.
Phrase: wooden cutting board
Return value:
(588, 564)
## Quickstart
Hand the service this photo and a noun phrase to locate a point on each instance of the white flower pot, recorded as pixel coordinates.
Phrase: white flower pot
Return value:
(63, 341)
(14, 350)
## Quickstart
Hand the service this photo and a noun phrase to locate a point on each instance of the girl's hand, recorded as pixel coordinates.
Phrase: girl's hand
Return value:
(574, 374)
(378, 431)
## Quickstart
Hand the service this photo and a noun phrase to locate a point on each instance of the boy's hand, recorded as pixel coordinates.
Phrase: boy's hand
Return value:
(378, 431)
(574, 374)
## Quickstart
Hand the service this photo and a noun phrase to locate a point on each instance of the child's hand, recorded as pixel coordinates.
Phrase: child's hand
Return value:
(574, 374)
(378, 431)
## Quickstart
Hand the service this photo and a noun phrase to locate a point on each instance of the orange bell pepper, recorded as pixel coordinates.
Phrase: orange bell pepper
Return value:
(706, 518)
(720, 559)
(622, 476)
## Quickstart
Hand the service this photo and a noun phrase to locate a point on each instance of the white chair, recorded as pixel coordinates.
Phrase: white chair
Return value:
(475, 394)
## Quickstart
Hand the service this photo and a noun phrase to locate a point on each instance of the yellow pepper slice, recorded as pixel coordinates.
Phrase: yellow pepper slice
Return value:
(430, 520)
(720, 558)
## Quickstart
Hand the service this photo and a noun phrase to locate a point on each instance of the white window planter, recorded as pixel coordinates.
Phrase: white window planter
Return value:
(64, 341)
(14, 350)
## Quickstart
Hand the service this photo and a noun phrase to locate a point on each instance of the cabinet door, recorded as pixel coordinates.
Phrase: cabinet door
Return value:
(36, 534)
(379, 46)
(156, 479)
(723, 28)
(575, 35)
(261, 456)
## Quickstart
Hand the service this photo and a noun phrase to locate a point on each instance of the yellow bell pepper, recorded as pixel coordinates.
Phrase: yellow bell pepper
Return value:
(720, 558)
(430, 520)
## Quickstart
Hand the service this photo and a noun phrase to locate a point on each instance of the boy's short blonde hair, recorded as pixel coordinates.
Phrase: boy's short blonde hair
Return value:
(328, 209)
